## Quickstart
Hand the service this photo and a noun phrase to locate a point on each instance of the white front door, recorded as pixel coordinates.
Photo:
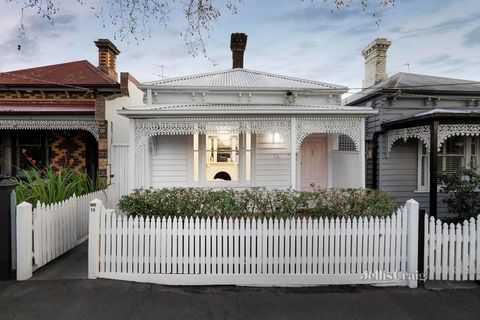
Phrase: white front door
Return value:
(314, 163)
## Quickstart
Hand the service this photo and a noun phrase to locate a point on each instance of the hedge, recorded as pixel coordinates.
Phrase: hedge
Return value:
(257, 202)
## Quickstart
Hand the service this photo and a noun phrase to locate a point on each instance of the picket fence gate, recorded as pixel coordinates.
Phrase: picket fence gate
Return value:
(266, 252)
(452, 251)
(48, 231)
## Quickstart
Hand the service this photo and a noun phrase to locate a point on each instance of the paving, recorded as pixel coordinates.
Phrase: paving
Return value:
(60, 290)
(109, 299)
(71, 265)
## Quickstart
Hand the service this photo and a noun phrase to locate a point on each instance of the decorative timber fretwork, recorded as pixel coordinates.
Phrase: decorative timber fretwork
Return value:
(351, 127)
(446, 131)
(87, 125)
(422, 133)
(145, 128)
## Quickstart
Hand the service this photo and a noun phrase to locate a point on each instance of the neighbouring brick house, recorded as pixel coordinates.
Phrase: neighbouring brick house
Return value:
(56, 115)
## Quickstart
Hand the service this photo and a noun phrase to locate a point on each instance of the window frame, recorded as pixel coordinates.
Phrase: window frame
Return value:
(422, 155)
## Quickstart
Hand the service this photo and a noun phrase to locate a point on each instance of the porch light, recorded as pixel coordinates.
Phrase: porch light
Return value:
(276, 138)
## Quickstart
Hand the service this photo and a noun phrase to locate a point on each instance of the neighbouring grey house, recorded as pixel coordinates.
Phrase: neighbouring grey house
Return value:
(425, 126)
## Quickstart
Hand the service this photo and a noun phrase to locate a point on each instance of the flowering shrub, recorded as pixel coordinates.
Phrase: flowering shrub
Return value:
(50, 185)
(257, 202)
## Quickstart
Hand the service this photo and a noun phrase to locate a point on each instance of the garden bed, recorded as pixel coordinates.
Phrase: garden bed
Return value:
(258, 202)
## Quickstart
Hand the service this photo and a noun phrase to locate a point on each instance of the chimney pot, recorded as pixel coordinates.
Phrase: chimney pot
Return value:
(238, 43)
(107, 57)
(375, 55)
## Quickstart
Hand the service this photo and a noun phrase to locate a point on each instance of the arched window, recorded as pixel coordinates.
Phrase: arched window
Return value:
(345, 143)
(222, 175)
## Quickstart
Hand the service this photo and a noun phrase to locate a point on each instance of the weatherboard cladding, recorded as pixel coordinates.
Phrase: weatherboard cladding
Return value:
(243, 78)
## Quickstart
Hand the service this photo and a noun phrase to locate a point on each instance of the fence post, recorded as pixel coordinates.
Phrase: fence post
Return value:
(412, 208)
(24, 245)
(93, 237)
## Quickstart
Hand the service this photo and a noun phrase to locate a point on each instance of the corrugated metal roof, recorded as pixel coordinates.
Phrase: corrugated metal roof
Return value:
(241, 106)
(238, 109)
(418, 83)
(243, 78)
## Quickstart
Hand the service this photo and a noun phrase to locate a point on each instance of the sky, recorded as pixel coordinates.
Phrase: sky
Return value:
(305, 39)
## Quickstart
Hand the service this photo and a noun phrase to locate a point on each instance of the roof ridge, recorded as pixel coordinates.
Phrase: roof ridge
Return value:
(256, 72)
(432, 76)
(99, 72)
(44, 66)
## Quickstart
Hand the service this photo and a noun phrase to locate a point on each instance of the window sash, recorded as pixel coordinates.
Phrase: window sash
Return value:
(446, 160)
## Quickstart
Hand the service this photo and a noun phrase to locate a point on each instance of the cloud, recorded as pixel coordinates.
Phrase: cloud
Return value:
(445, 63)
(318, 18)
(444, 26)
(472, 38)
(38, 32)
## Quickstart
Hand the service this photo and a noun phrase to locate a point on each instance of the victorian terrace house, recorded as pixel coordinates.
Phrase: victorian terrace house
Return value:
(56, 115)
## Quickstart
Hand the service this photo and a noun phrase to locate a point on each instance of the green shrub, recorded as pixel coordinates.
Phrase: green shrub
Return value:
(462, 196)
(49, 186)
(257, 202)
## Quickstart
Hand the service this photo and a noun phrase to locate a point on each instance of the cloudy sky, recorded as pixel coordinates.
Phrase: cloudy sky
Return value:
(292, 37)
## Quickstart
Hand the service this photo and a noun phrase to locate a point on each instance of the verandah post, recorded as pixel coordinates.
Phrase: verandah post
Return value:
(93, 238)
(24, 246)
(293, 152)
(412, 208)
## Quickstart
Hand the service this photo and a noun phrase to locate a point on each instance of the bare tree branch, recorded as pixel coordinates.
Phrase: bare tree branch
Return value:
(135, 18)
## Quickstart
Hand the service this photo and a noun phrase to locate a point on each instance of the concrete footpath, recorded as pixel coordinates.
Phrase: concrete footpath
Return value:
(108, 299)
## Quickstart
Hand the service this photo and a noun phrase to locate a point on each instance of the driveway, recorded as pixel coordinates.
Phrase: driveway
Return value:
(108, 299)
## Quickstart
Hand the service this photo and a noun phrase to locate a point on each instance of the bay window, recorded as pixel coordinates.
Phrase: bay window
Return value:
(455, 152)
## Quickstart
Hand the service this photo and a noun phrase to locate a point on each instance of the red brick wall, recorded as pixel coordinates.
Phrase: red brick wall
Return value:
(69, 150)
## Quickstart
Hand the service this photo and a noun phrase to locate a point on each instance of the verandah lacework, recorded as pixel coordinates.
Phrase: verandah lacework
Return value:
(445, 131)
(145, 128)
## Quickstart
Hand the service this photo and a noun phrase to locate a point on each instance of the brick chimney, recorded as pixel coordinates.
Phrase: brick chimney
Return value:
(238, 42)
(375, 55)
(107, 57)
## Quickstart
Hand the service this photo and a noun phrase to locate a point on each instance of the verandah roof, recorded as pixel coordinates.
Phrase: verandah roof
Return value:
(243, 109)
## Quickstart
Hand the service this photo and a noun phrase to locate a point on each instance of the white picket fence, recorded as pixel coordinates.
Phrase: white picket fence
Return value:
(48, 231)
(452, 251)
(270, 252)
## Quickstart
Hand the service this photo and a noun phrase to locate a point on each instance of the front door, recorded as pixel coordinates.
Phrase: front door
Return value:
(314, 163)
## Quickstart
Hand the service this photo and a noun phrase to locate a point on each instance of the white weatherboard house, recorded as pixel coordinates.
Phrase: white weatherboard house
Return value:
(242, 128)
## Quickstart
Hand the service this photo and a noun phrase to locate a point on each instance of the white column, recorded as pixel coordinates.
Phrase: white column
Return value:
(362, 153)
(24, 246)
(146, 158)
(94, 232)
(242, 163)
(412, 242)
(131, 158)
(149, 97)
(293, 152)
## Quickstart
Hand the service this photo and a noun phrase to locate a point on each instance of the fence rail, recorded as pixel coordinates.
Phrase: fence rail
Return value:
(452, 251)
(48, 231)
(254, 251)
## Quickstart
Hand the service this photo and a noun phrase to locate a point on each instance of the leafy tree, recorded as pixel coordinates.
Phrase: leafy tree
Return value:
(461, 189)
(135, 17)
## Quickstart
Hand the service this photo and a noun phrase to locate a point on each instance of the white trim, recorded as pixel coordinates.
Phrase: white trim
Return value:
(362, 155)
(446, 131)
(293, 153)
(341, 125)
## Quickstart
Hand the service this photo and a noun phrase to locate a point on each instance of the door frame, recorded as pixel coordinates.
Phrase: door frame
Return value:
(326, 138)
